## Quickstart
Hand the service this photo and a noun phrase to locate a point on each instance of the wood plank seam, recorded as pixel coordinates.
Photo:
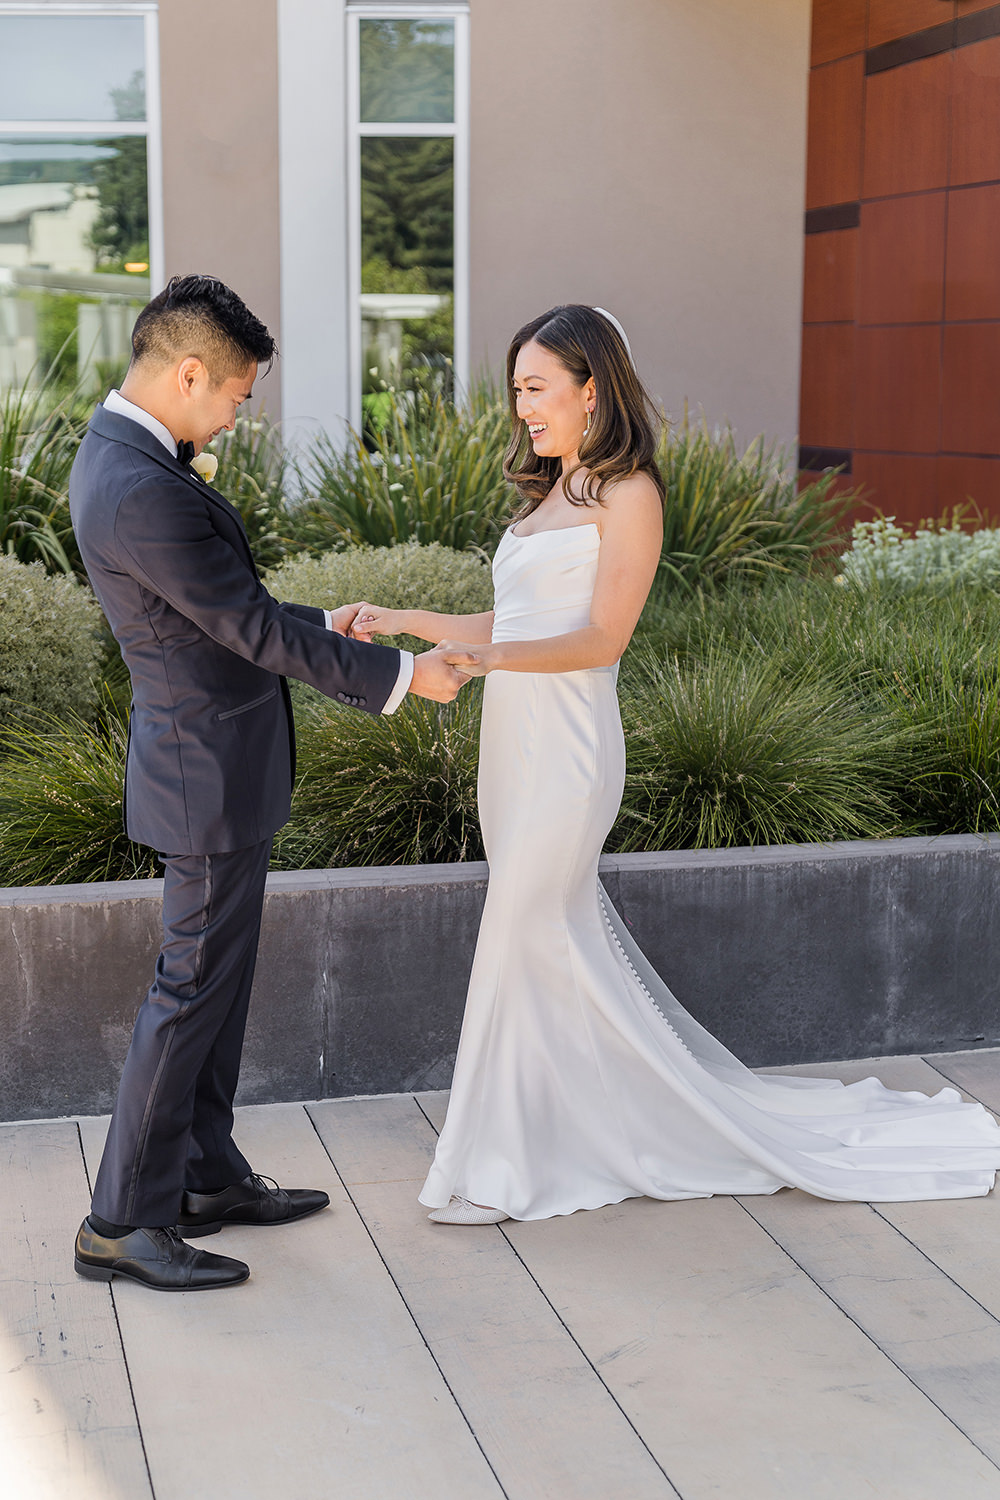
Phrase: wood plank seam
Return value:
(121, 1336)
(569, 1334)
(447, 1384)
(864, 1332)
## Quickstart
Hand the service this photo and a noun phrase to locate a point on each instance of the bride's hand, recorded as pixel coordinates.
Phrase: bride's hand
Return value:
(372, 619)
(473, 661)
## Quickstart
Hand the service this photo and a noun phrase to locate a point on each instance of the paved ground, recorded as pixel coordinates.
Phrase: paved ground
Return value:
(750, 1349)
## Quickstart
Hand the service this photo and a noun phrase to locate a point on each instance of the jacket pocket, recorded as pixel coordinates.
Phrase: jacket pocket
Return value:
(244, 708)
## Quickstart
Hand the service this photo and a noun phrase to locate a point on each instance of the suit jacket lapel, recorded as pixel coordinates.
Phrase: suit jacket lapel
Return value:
(119, 429)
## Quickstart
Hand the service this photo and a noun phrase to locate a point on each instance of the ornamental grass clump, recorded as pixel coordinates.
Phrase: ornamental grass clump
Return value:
(434, 474)
(944, 688)
(734, 514)
(39, 437)
(724, 750)
(386, 790)
(51, 644)
(926, 665)
(61, 803)
(937, 556)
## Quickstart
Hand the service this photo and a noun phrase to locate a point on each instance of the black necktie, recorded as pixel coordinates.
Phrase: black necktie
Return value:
(185, 453)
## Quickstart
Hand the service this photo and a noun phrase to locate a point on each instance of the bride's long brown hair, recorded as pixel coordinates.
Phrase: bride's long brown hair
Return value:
(624, 429)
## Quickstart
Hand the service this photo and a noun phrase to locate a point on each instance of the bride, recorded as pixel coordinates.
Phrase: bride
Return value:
(580, 1080)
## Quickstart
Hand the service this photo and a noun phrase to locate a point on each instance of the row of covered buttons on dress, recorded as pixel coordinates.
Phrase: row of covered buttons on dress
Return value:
(354, 702)
(639, 980)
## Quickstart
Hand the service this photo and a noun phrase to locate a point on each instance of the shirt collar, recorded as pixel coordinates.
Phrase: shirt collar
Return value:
(115, 402)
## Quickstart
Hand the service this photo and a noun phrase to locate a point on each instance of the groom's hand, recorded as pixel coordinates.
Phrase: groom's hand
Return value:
(438, 679)
(342, 619)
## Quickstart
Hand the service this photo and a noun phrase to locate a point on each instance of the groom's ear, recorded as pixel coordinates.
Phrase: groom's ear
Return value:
(191, 375)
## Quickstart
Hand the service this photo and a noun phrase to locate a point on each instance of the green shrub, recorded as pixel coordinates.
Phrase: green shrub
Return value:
(51, 649)
(61, 804)
(394, 789)
(732, 514)
(414, 575)
(435, 474)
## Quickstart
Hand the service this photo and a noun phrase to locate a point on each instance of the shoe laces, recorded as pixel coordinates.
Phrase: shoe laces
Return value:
(166, 1237)
(265, 1184)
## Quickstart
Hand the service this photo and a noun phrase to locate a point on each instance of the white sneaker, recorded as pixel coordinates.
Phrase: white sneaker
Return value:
(461, 1211)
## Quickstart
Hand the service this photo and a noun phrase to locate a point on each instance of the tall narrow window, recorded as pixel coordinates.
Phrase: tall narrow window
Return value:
(409, 200)
(76, 239)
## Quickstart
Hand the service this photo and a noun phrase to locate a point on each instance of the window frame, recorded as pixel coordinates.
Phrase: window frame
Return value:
(356, 130)
(150, 128)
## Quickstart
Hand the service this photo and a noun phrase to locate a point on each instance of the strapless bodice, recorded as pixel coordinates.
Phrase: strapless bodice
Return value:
(544, 583)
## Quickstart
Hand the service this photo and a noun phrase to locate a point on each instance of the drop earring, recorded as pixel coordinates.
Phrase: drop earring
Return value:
(590, 420)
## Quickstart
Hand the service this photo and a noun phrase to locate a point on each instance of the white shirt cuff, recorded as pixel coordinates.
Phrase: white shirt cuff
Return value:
(403, 681)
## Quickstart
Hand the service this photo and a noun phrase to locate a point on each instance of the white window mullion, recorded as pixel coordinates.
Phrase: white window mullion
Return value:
(352, 99)
(414, 11)
(369, 127)
(83, 8)
(460, 287)
(75, 127)
(154, 157)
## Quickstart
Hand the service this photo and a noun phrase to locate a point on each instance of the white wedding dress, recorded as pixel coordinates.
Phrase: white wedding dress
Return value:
(580, 1080)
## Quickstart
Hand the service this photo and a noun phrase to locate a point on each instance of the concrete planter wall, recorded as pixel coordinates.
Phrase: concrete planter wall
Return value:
(794, 954)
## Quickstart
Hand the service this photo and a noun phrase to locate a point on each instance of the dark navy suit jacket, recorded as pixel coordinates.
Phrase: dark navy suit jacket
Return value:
(211, 754)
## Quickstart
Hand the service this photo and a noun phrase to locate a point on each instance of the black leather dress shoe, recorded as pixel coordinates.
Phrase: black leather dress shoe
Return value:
(157, 1258)
(255, 1200)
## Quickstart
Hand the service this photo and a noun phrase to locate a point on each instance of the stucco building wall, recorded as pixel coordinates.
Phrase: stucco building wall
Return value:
(648, 156)
(219, 100)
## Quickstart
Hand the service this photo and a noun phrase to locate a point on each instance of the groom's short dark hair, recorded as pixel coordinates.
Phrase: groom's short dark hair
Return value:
(201, 316)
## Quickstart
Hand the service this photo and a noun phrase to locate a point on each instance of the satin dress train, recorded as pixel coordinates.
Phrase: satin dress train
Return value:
(580, 1079)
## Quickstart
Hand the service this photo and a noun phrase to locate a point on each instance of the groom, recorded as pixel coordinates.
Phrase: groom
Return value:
(209, 773)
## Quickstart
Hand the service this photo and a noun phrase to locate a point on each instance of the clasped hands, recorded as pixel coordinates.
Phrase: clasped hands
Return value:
(438, 674)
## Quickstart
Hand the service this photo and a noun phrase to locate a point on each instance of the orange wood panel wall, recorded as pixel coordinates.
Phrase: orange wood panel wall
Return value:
(901, 304)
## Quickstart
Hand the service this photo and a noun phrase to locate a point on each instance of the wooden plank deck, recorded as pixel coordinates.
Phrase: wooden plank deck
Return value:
(774, 1348)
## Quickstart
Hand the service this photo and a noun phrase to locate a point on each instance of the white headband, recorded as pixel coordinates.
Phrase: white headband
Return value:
(615, 324)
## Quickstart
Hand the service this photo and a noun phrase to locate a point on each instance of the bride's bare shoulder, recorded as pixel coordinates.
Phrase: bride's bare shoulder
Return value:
(634, 500)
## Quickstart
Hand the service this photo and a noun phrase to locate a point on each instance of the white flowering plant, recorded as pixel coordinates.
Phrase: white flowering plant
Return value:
(937, 555)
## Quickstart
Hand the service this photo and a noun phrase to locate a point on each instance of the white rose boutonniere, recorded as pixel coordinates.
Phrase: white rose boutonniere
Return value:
(206, 465)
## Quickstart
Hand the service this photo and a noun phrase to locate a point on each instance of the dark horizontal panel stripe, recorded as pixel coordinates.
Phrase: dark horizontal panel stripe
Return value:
(814, 459)
(934, 39)
(977, 27)
(839, 216)
(907, 49)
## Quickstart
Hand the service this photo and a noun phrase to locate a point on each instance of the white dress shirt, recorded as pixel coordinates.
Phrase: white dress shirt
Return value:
(115, 402)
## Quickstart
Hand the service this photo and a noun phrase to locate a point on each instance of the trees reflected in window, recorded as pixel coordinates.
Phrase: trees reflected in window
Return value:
(406, 255)
(407, 72)
(74, 201)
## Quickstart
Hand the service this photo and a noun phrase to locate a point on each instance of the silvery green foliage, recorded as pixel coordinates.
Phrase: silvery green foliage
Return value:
(412, 575)
(50, 643)
(884, 553)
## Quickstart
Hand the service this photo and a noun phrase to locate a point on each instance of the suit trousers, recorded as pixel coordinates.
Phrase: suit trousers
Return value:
(173, 1119)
